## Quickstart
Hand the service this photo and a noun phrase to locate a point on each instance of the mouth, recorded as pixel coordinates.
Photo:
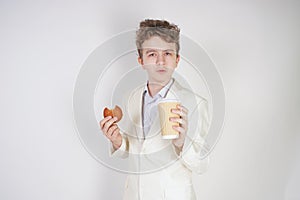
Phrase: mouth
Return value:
(161, 70)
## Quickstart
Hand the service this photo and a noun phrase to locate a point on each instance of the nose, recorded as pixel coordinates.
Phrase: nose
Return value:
(160, 59)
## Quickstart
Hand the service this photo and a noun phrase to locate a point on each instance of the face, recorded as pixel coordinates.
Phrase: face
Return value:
(159, 59)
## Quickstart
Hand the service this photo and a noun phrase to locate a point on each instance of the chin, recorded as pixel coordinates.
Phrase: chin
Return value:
(161, 80)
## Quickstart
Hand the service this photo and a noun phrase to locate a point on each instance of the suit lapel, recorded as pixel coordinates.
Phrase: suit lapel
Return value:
(135, 105)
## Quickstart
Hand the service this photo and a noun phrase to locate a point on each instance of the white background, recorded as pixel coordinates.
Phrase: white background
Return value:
(254, 44)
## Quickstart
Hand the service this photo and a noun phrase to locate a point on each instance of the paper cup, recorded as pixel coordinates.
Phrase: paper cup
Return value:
(164, 109)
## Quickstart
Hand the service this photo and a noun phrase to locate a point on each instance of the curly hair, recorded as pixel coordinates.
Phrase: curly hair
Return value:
(161, 28)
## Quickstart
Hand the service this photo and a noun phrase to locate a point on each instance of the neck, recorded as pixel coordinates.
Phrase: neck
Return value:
(155, 87)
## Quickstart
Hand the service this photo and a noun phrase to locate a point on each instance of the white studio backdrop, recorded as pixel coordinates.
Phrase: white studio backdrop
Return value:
(254, 44)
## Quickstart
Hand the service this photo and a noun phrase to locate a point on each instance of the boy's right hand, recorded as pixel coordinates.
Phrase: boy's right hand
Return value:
(111, 131)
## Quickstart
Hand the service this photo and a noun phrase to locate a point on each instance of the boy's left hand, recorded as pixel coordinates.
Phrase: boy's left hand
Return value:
(183, 125)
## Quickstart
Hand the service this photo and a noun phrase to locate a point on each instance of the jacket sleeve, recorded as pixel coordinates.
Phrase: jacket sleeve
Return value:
(194, 154)
(122, 151)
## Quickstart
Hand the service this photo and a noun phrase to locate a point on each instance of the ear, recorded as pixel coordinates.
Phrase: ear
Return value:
(177, 59)
(140, 60)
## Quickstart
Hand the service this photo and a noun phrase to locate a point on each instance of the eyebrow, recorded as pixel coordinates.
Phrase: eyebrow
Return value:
(155, 50)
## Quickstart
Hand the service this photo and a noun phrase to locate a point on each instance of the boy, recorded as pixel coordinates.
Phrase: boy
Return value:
(170, 162)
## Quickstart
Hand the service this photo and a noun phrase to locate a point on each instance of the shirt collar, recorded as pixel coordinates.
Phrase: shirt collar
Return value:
(163, 91)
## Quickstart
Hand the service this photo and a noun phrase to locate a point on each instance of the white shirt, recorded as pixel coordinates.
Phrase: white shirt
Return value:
(150, 110)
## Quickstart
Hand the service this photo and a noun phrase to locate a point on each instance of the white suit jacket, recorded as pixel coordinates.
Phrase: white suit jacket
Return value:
(158, 170)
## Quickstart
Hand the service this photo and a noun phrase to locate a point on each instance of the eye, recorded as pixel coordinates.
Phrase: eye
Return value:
(168, 54)
(151, 54)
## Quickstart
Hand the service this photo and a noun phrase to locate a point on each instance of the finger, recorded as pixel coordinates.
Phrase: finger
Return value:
(115, 134)
(184, 124)
(108, 124)
(111, 130)
(179, 112)
(180, 129)
(183, 109)
(181, 121)
(104, 120)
